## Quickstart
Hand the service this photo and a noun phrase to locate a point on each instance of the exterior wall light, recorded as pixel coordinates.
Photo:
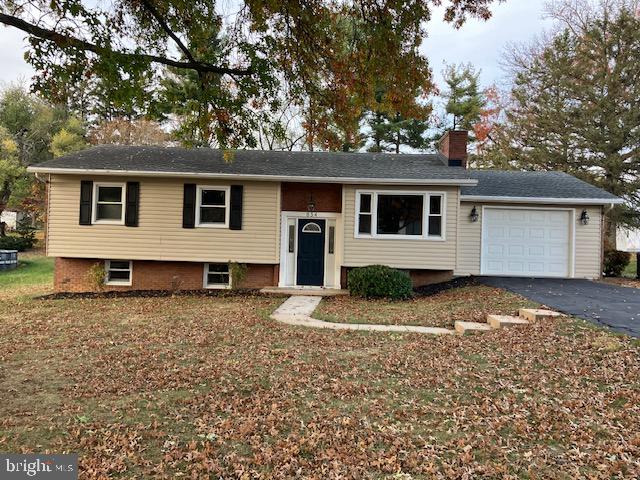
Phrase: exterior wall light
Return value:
(474, 214)
(311, 207)
(584, 217)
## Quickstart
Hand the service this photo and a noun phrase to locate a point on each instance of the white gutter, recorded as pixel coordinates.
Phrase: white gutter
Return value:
(562, 201)
(263, 178)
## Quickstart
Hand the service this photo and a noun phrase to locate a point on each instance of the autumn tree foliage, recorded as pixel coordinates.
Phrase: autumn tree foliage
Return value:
(575, 103)
(31, 131)
(235, 59)
(122, 131)
(487, 125)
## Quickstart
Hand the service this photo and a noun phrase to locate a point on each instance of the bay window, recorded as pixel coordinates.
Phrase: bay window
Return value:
(390, 214)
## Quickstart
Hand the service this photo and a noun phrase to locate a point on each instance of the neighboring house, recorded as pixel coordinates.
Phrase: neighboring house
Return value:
(163, 218)
(11, 218)
(628, 240)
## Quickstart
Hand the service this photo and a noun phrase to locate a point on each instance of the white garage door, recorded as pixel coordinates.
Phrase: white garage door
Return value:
(529, 243)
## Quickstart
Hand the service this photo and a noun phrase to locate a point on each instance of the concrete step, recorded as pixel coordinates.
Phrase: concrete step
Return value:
(468, 327)
(305, 292)
(536, 314)
(503, 321)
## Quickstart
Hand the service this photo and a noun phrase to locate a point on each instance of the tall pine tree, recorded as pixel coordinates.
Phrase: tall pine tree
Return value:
(576, 105)
(464, 99)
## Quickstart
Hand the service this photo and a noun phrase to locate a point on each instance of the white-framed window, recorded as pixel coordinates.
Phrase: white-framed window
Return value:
(108, 203)
(212, 206)
(400, 214)
(217, 275)
(435, 216)
(118, 272)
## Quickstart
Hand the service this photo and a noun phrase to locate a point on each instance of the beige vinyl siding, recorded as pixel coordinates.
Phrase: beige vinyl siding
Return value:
(401, 253)
(589, 244)
(587, 239)
(160, 235)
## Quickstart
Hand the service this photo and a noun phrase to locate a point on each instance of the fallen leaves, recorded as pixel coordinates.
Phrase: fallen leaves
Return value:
(470, 303)
(209, 387)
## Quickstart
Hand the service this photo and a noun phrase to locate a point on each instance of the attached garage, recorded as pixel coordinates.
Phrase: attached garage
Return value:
(531, 242)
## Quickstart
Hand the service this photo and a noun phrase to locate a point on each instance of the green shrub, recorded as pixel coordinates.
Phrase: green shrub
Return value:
(615, 262)
(238, 273)
(96, 275)
(12, 242)
(379, 281)
(26, 232)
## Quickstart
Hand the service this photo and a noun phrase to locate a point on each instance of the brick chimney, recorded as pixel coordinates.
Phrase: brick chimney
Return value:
(453, 145)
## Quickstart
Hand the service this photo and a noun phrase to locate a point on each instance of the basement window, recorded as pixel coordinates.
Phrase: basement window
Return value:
(217, 275)
(118, 272)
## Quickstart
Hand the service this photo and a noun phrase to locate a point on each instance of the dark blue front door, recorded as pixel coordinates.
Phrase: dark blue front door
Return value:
(310, 269)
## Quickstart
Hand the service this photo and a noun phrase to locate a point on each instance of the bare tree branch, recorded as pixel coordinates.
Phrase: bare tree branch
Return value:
(63, 41)
(154, 12)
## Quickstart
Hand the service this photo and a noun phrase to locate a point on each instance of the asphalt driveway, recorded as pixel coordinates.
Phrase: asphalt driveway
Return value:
(617, 308)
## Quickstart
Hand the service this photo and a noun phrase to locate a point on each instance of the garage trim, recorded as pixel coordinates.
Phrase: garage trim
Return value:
(572, 232)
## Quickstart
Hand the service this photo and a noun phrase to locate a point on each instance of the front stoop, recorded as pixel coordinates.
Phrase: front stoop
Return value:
(467, 327)
(305, 292)
(537, 314)
(503, 321)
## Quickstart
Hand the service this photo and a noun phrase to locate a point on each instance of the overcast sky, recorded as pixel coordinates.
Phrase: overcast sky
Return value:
(478, 42)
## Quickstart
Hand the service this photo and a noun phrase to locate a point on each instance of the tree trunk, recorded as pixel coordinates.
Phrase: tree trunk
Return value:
(5, 193)
(610, 233)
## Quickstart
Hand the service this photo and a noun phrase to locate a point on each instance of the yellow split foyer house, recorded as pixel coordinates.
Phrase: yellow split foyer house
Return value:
(174, 218)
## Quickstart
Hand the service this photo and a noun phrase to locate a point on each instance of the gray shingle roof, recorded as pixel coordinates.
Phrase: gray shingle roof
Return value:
(535, 185)
(321, 165)
(326, 166)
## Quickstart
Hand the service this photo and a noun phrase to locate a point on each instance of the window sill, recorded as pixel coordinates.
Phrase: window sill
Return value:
(218, 287)
(212, 225)
(107, 222)
(118, 284)
(400, 237)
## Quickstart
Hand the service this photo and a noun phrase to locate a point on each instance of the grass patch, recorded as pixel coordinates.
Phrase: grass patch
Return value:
(31, 270)
(470, 303)
(632, 269)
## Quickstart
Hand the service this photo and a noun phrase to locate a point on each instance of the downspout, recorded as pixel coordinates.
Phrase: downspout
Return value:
(47, 183)
(605, 211)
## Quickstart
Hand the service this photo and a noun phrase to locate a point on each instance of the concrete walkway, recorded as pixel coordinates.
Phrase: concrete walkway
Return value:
(297, 310)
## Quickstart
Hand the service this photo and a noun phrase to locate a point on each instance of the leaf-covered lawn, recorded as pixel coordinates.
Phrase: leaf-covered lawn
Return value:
(190, 387)
(471, 303)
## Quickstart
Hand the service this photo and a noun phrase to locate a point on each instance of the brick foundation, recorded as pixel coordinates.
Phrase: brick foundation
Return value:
(72, 275)
(419, 278)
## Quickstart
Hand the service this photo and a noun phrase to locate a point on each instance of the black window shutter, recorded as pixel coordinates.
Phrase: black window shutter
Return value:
(133, 202)
(235, 215)
(86, 201)
(189, 206)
